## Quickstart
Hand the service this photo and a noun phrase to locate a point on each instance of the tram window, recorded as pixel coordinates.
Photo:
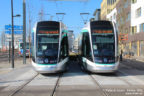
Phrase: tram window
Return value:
(86, 49)
(83, 46)
(64, 48)
(32, 43)
(103, 44)
(47, 45)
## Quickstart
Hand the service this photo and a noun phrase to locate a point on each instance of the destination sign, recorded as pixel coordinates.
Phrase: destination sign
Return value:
(48, 32)
(102, 31)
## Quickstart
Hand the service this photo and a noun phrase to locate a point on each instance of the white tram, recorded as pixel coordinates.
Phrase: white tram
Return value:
(98, 46)
(49, 47)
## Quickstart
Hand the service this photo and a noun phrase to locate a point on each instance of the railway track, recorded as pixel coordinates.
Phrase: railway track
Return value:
(56, 85)
(5, 56)
(121, 77)
(102, 89)
(22, 86)
(17, 90)
(97, 84)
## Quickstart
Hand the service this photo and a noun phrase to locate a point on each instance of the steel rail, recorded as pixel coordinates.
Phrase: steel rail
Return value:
(22, 86)
(101, 89)
(56, 85)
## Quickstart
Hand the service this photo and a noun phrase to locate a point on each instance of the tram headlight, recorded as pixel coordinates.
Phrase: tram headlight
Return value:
(98, 60)
(40, 60)
(53, 61)
(110, 61)
(46, 60)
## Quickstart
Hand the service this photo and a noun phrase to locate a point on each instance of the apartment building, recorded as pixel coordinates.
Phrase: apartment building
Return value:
(112, 15)
(103, 10)
(129, 17)
(97, 14)
(136, 37)
(111, 4)
(106, 7)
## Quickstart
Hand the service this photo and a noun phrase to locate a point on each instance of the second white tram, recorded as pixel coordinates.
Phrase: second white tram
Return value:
(98, 46)
(49, 47)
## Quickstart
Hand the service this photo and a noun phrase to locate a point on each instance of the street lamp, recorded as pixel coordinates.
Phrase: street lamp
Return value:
(12, 16)
(24, 31)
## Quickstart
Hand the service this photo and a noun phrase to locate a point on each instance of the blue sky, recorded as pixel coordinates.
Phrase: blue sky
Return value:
(72, 19)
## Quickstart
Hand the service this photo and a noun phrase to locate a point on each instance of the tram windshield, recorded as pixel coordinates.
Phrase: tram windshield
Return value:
(47, 44)
(103, 43)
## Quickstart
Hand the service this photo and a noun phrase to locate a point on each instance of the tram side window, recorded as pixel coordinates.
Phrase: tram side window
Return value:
(32, 45)
(83, 45)
(86, 50)
(64, 48)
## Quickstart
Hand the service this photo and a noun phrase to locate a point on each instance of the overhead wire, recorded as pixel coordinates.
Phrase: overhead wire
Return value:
(59, 14)
(84, 10)
(55, 1)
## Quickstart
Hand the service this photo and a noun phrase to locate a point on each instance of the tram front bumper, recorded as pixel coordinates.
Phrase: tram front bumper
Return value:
(102, 68)
(48, 68)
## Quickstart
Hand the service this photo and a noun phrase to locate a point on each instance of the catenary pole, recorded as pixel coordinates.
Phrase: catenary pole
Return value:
(12, 35)
(24, 32)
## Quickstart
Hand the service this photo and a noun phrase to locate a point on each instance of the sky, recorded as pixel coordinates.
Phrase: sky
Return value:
(72, 9)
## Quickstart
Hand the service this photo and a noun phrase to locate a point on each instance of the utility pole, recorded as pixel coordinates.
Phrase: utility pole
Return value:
(12, 16)
(24, 32)
(30, 20)
(9, 50)
(12, 35)
(41, 14)
(29, 35)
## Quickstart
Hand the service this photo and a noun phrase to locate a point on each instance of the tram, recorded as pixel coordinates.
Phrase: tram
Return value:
(98, 47)
(50, 47)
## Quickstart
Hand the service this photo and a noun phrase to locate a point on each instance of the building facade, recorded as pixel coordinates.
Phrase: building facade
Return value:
(136, 37)
(123, 20)
(106, 7)
(70, 39)
(103, 10)
(129, 17)
(111, 5)
(97, 14)
(123, 16)
(112, 15)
